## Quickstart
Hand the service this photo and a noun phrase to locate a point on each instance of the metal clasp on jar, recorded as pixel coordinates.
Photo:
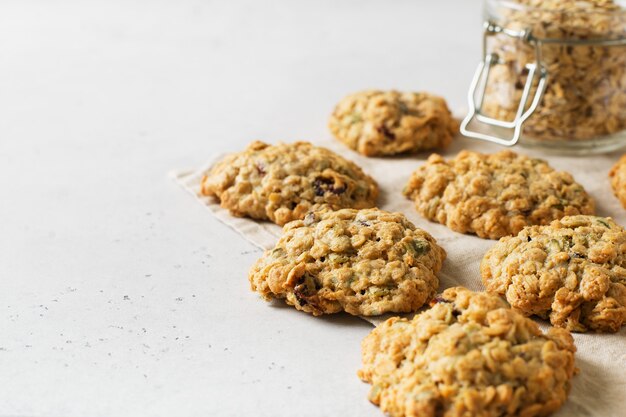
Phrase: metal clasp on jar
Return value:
(536, 70)
(481, 78)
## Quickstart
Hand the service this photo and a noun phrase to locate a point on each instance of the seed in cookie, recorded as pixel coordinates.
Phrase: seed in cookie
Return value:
(618, 180)
(283, 182)
(572, 272)
(494, 195)
(378, 123)
(365, 262)
(468, 355)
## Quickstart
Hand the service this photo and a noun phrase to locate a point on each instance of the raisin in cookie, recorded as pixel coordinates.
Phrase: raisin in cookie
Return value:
(390, 122)
(494, 195)
(366, 262)
(572, 272)
(469, 355)
(283, 182)
(618, 180)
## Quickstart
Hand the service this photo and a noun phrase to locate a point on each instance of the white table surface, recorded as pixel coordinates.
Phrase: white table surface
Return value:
(120, 295)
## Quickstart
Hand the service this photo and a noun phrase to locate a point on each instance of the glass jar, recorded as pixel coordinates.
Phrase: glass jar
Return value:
(553, 75)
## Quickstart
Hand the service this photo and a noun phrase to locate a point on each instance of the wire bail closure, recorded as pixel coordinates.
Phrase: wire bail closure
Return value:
(481, 78)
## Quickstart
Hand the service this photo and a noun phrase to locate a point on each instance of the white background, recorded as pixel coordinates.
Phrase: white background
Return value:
(120, 295)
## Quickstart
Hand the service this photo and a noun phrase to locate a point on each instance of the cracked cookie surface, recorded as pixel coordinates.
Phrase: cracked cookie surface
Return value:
(377, 123)
(365, 262)
(468, 355)
(283, 182)
(572, 272)
(618, 180)
(494, 195)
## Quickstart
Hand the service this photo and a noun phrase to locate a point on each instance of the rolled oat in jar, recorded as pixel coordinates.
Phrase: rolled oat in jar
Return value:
(554, 75)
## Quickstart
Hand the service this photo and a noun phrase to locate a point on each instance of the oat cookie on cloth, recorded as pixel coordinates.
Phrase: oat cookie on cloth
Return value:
(377, 123)
(365, 262)
(572, 272)
(283, 182)
(468, 355)
(494, 195)
(618, 179)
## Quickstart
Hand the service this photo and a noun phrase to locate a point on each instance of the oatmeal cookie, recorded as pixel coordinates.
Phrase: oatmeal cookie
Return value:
(494, 195)
(366, 262)
(618, 180)
(390, 122)
(283, 182)
(469, 355)
(572, 272)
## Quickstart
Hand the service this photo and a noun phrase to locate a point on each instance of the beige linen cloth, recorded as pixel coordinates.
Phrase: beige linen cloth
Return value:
(600, 387)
